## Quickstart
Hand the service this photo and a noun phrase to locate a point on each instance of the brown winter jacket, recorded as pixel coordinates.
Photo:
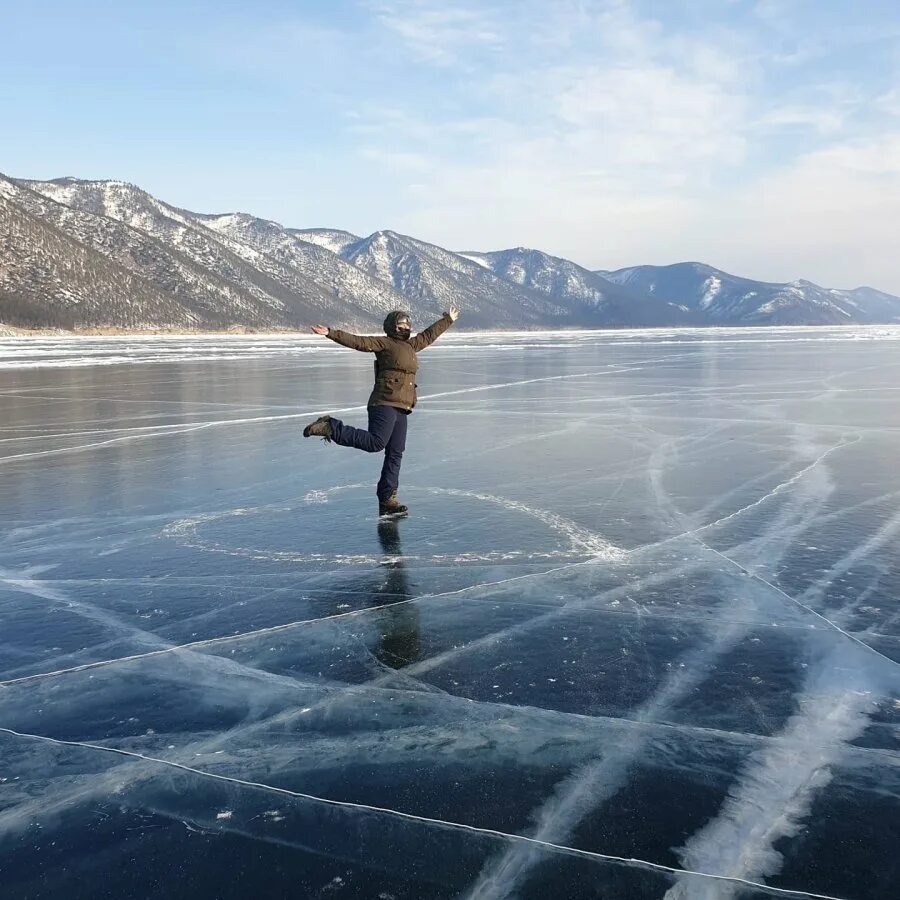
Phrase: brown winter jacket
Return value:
(395, 361)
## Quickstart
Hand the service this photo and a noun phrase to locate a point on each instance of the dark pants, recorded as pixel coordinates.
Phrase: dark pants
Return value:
(387, 431)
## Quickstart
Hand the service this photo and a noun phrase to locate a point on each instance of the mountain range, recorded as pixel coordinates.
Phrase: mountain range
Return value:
(82, 254)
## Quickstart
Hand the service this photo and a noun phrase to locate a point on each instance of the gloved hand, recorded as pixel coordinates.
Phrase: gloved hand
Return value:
(453, 312)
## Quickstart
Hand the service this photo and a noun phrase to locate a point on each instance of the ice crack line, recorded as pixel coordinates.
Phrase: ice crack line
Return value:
(183, 427)
(582, 540)
(777, 489)
(802, 605)
(628, 862)
(274, 629)
(773, 795)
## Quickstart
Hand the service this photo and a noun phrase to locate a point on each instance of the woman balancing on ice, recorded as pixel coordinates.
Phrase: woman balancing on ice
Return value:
(391, 401)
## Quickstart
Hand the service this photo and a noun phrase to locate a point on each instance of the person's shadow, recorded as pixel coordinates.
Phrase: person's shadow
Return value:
(400, 642)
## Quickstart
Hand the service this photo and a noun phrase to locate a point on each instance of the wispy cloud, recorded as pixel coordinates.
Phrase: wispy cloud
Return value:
(824, 121)
(889, 102)
(440, 32)
(598, 119)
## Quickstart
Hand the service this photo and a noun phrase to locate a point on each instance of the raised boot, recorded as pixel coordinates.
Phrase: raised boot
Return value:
(391, 507)
(320, 428)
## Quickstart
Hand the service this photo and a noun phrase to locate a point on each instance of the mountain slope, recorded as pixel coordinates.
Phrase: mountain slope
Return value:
(592, 298)
(332, 239)
(719, 298)
(264, 291)
(348, 284)
(48, 277)
(870, 305)
(433, 279)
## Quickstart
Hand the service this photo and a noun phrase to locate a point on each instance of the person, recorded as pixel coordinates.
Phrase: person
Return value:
(392, 400)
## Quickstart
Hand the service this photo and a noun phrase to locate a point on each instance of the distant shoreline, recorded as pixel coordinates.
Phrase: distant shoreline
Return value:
(112, 331)
(7, 331)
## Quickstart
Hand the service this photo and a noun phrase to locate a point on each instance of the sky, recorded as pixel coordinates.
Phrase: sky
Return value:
(759, 136)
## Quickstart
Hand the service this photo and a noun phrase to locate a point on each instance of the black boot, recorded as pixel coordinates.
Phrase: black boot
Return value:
(391, 507)
(320, 428)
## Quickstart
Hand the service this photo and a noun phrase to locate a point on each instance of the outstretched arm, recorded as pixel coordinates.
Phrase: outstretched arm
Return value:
(363, 343)
(427, 337)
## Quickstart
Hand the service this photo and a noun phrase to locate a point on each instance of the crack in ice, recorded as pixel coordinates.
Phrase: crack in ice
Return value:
(444, 823)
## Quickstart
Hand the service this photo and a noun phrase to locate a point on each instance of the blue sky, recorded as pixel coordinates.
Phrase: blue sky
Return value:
(759, 136)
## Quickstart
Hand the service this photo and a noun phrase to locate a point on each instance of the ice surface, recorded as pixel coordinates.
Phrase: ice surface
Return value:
(640, 636)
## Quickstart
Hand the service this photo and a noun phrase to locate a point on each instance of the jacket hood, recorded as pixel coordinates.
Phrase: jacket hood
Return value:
(390, 322)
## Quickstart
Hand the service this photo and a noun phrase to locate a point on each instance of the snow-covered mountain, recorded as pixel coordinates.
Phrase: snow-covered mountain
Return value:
(85, 253)
(432, 279)
(591, 297)
(718, 298)
(262, 289)
(255, 272)
(320, 265)
(332, 239)
(48, 276)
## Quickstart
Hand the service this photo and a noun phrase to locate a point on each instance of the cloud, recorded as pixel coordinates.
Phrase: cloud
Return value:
(583, 143)
(398, 160)
(650, 115)
(440, 32)
(610, 132)
(632, 113)
(830, 214)
(615, 137)
(824, 121)
(889, 102)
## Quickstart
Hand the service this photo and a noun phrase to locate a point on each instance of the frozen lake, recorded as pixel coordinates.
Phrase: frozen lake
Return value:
(639, 637)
